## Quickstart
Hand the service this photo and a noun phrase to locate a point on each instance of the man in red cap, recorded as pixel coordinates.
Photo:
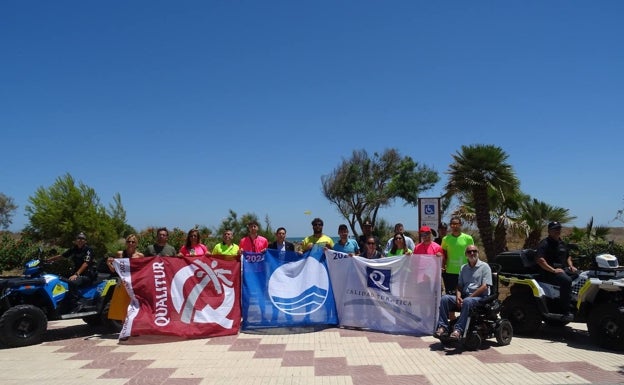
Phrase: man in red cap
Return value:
(427, 246)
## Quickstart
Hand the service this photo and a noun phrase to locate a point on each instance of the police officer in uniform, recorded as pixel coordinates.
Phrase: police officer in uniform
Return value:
(84, 266)
(555, 261)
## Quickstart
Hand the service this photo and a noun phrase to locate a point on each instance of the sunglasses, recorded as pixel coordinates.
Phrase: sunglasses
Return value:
(370, 243)
(472, 251)
(130, 241)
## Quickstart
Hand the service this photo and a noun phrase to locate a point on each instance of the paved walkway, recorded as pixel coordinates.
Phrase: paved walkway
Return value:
(71, 355)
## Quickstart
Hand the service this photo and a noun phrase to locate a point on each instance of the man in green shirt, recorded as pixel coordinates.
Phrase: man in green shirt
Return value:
(454, 247)
(226, 247)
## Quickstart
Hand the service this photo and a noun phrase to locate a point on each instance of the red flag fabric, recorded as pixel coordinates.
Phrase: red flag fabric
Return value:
(191, 297)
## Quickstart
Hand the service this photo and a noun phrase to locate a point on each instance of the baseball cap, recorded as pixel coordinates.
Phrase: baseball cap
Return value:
(424, 229)
(554, 225)
(367, 223)
(81, 235)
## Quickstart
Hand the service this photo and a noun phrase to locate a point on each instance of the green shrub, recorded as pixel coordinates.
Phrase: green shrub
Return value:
(10, 257)
(15, 250)
(587, 251)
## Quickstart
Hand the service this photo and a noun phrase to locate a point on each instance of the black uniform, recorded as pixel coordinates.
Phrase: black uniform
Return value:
(78, 257)
(556, 253)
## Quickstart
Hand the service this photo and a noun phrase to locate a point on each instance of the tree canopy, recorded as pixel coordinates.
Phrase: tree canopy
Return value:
(61, 211)
(474, 173)
(536, 214)
(361, 185)
(239, 225)
(7, 209)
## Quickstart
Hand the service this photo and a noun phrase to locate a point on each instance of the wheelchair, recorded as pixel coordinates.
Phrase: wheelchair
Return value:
(484, 321)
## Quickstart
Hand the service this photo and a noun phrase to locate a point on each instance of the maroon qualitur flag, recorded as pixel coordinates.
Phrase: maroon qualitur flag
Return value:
(187, 297)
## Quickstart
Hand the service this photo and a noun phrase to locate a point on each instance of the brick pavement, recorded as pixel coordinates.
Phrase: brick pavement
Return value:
(72, 355)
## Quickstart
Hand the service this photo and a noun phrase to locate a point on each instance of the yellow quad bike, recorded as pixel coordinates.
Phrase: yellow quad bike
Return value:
(597, 297)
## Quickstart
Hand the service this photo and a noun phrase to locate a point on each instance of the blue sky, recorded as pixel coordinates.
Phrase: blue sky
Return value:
(191, 108)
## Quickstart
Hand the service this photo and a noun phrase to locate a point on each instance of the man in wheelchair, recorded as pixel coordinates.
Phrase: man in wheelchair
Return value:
(475, 279)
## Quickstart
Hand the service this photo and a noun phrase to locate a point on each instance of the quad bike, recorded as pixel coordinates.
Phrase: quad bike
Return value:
(27, 302)
(597, 297)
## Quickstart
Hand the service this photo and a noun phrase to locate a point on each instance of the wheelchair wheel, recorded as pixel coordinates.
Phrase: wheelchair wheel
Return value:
(472, 341)
(503, 332)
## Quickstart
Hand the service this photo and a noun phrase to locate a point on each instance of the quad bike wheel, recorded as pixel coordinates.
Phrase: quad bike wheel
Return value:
(504, 332)
(606, 326)
(523, 314)
(22, 325)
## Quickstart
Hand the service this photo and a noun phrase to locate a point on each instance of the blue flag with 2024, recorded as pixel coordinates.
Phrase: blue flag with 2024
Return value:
(286, 289)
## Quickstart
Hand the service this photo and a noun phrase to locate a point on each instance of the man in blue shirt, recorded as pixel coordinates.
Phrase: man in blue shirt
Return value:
(345, 244)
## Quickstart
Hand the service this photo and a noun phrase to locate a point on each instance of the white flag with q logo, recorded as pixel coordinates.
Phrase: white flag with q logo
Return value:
(396, 294)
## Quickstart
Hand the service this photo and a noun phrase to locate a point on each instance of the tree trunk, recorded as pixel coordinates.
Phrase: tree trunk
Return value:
(482, 212)
(533, 239)
(500, 238)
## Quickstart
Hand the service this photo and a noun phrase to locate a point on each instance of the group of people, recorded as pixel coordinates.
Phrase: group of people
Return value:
(367, 246)
(464, 282)
(475, 278)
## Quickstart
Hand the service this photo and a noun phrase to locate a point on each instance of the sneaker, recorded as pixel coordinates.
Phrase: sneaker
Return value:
(455, 336)
(440, 333)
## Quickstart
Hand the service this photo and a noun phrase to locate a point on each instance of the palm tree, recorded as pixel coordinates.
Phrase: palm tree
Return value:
(536, 214)
(590, 233)
(476, 170)
(504, 215)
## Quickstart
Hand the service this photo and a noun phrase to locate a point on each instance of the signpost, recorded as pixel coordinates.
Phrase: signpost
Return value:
(429, 212)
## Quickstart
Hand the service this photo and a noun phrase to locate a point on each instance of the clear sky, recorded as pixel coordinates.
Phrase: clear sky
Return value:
(191, 108)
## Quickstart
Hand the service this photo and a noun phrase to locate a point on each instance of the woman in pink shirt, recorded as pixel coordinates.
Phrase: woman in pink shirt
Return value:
(427, 246)
(193, 246)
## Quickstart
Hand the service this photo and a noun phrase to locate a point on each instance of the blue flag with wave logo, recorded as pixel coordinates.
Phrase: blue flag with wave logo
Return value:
(286, 289)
